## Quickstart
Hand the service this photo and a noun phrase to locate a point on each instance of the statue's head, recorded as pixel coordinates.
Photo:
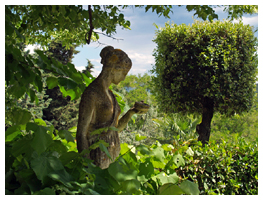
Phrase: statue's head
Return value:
(117, 58)
(117, 61)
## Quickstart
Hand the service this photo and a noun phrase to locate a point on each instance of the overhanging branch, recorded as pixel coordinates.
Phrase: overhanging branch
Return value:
(89, 33)
(91, 26)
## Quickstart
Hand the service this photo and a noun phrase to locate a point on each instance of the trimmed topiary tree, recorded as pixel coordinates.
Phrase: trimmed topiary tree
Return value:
(205, 68)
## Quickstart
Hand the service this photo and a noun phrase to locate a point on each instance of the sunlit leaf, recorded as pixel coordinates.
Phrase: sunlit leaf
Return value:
(138, 137)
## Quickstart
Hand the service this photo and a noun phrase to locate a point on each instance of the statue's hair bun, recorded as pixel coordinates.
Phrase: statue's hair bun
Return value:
(106, 51)
(110, 55)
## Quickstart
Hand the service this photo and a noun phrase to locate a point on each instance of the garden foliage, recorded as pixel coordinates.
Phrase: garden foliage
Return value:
(223, 168)
(40, 159)
(40, 162)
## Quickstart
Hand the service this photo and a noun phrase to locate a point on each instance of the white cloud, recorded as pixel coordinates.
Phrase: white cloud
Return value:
(141, 61)
(80, 68)
(219, 10)
(253, 21)
(95, 71)
(137, 70)
(31, 48)
(94, 60)
(139, 58)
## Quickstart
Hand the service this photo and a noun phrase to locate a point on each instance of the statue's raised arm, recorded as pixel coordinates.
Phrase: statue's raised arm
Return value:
(99, 108)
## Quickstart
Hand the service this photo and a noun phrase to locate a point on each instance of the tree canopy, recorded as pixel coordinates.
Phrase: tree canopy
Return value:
(205, 66)
(35, 24)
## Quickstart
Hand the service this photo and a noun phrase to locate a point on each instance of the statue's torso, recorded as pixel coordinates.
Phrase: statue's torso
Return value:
(106, 114)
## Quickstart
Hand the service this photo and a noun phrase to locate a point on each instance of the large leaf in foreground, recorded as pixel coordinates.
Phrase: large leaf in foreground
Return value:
(122, 171)
(49, 166)
(189, 187)
(170, 189)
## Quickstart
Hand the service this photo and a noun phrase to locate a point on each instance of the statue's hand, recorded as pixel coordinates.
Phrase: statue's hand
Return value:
(140, 107)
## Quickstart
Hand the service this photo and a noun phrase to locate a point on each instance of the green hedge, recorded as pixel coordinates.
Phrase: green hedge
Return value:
(225, 168)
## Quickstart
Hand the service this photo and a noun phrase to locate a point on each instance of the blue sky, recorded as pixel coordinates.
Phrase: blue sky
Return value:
(137, 42)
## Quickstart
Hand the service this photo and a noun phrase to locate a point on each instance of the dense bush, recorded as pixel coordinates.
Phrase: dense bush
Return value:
(222, 168)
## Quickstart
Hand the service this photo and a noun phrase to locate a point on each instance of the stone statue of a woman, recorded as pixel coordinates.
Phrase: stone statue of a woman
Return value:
(99, 108)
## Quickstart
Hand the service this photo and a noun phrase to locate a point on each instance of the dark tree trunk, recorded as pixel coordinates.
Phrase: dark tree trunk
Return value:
(204, 128)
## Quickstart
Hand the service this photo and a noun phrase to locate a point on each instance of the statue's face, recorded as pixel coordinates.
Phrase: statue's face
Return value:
(119, 75)
(116, 62)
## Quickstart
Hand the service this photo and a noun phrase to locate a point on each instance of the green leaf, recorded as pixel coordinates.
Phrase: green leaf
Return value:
(146, 170)
(52, 82)
(189, 187)
(130, 186)
(167, 147)
(67, 83)
(138, 137)
(190, 152)
(91, 192)
(70, 92)
(20, 116)
(158, 154)
(104, 149)
(112, 128)
(22, 146)
(72, 14)
(61, 176)
(42, 140)
(49, 166)
(97, 144)
(170, 189)
(86, 79)
(39, 83)
(67, 157)
(32, 95)
(143, 150)
(178, 160)
(98, 131)
(58, 146)
(158, 157)
(164, 178)
(43, 57)
(121, 170)
(17, 90)
(64, 134)
(124, 148)
(12, 132)
(9, 28)
(73, 129)
(46, 191)
(40, 122)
